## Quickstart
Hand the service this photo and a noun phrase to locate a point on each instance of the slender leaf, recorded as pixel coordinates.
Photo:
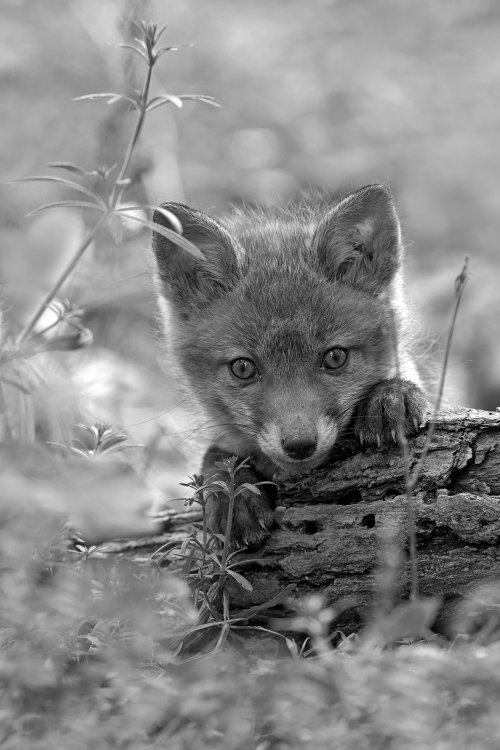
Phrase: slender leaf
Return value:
(244, 582)
(169, 234)
(76, 451)
(219, 483)
(200, 98)
(215, 559)
(160, 32)
(220, 537)
(171, 217)
(162, 51)
(62, 181)
(142, 43)
(247, 614)
(132, 48)
(69, 166)
(221, 640)
(112, 98)
(157, 101)
(246, 486)
(228, 464)
(64, 204)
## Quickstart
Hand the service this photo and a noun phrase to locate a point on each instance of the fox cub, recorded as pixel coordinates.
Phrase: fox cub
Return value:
(291, 332)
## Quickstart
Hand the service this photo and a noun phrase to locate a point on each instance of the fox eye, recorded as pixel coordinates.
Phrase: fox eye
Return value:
(244, 369)
(334, 358)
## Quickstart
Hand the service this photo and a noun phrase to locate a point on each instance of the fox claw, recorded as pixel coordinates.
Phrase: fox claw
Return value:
(390, 406)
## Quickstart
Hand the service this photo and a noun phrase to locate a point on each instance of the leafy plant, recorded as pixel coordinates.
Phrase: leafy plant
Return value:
(99, 439)
(208, 563)
(56, 325)
(108, 202)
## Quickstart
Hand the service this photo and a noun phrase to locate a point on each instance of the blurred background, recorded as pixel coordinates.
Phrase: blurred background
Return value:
(328, 94)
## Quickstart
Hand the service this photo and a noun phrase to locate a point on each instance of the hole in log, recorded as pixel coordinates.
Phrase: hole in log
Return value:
(368, 521)
(309, 527)
(392, 492)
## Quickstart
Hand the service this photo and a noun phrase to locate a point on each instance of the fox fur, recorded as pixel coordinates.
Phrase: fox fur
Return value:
(293, 332)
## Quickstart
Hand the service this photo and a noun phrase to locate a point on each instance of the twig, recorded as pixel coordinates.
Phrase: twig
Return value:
(411, 478)
(403, 443)
(460, 283)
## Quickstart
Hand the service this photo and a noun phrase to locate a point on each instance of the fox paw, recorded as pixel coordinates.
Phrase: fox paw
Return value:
(388, 406)
(252, 519)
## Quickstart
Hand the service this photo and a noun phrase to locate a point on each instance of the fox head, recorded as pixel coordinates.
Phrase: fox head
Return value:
(287, 321)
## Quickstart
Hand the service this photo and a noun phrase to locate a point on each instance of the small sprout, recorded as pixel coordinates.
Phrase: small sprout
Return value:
(60, 328)
(100, 439)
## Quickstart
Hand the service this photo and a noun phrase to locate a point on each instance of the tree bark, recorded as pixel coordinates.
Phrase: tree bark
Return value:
(331, 525)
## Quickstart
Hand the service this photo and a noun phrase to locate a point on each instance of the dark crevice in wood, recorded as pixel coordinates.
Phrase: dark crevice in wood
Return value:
(309, 527)
(368, 521)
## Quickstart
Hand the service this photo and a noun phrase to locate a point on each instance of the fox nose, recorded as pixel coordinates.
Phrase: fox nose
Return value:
(299, 447)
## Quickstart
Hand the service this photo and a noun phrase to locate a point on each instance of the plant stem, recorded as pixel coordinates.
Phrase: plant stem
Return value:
(115, 194)
(411, 479)
(460, 282)
(114, 199)
(62, 278)
(412, 531)
(229, 525)
(403, 443)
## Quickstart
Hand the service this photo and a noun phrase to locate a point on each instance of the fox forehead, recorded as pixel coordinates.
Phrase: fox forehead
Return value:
(269, 236)
(282, 288)
(292, 312)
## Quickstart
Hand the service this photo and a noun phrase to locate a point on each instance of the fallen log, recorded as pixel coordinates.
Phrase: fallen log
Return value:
(330, 525)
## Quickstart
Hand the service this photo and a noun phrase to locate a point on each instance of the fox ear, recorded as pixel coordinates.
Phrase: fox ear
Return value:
(359, 241)
(187, 281)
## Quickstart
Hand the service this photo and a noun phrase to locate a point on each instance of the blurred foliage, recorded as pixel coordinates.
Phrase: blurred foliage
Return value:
(87, 660)
(330, 93)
